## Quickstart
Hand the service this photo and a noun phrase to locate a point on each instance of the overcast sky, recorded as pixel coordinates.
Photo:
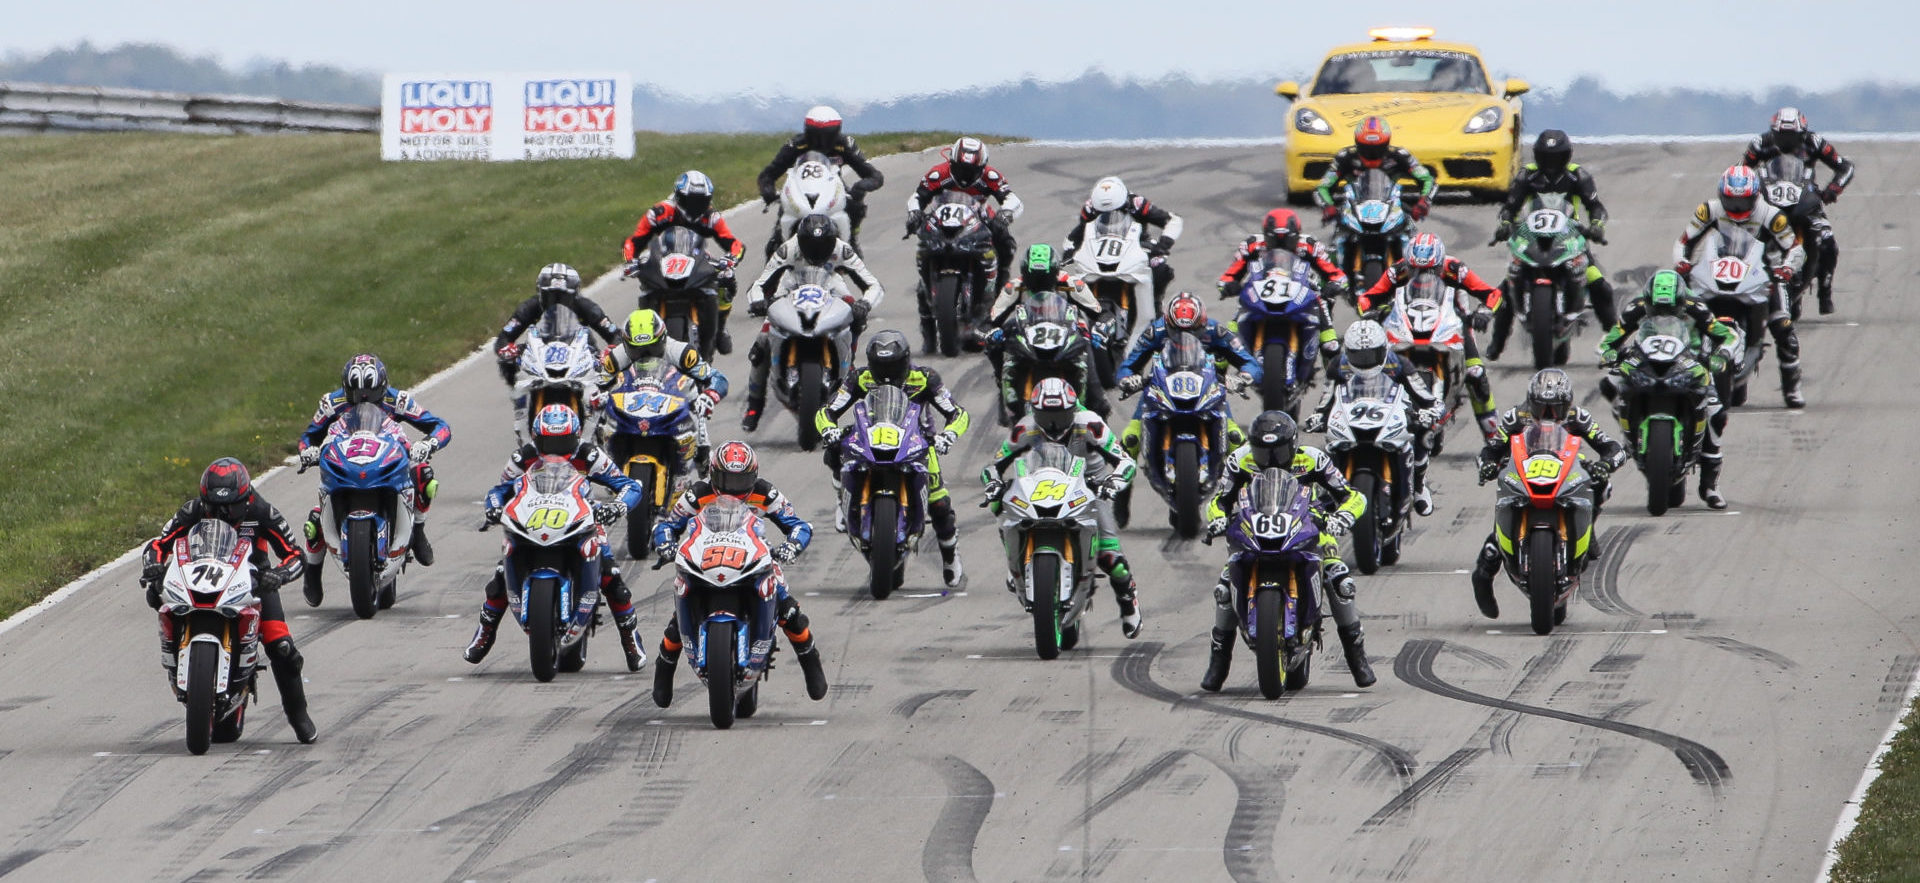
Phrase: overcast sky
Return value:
(868, 49)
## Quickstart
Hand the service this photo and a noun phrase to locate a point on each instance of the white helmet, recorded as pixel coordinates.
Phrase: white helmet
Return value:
(1109, 194)
(1366, 346)
(821, 116)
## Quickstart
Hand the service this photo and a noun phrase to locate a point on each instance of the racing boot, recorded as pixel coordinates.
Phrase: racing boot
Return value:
(951, 570)
(1790, 385)
(794, 623)
(722, 341)
(1422, 496)
(1483, 572)
(422, 550)
(483, 636)
(1710, 483)
(1600, 293)
(287, 662)
(759, 362)
(839, 503)
(316, 555)
(629, 625)
(750, 421)
(1220, 662)
(946, 529)
(428, 488)
(1825, 288)
(663, 666)
(1502, 325)
(1354, 641)
(1127, 594)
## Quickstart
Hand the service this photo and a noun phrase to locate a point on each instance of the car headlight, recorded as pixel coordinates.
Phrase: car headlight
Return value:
(1305, 120)
(1484, 121)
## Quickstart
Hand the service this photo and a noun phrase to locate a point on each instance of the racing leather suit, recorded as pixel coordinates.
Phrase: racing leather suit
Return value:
(923, 385)
(841, 152)
(1812, 149)
(993, 267)
(1771, 226)
(1149, 215)
(1348, 165)
(1456, 274)
(1222, 344)
(1577, 185)
(401, 406)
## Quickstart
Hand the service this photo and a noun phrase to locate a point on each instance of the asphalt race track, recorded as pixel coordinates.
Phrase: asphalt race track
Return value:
(1701, 716)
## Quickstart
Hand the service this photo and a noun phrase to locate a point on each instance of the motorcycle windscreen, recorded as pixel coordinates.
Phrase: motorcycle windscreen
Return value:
(798, 275)
(558, 323)
(1373, 186)
(1272, 492)
(1788, 168)
(887, 404)
(1427, 285)
(552, 475)
(1733, 241)
(1374, 385)
(211, 538)
(954, 211)
(1049, 455)
(1184, 352)
(676, 240)
(725, 514)
(1051, 307)
(365, 417)
(1113, 223)
(1546, 439)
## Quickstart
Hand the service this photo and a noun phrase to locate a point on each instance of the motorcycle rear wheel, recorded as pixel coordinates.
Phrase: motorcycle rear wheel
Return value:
(721, 660)
(360, 585)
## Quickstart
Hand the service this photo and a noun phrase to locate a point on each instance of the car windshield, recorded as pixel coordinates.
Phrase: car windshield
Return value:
(886, 404)
(1048, 455)
(1183, 352)
(1113, 223)
(1400, 70)
(552, 475)
(1544, 438)
(1373, 186)
(1376, 385)
(1272, 491)
(725, 514)
(211, 538)
(677, 240)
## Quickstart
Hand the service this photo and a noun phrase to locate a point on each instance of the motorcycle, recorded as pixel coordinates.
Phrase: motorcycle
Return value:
(1048, 524)
(725, 591)
(366, 504)
(1788, 185)
(1549, 289)
(1543, 520)
(1425, 330)
(552, 559)
(680, 281)
(813, 187)
(1279, 322)
(1374, 227)
(1115, 264)
(811, 345)
(1658, 378)
(1274, 569)
(884, 473)
(558, 366)
(208, 606)
(1371, 443)
(651, 432)
(1732, 276)
(954, 241)
(1184, 439)
(1045, 340)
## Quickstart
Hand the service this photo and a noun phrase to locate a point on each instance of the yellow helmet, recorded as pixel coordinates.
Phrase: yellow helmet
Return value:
(646, 335)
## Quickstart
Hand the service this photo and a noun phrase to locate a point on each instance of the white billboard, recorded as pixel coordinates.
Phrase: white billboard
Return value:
(506, 116)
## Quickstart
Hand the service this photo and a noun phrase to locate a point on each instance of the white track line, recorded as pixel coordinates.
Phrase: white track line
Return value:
(1850, 811)
(1281, 140)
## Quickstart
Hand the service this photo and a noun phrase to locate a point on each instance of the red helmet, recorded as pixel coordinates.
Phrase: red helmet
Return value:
(1281, 229)
(1372, 137)
(1426, 251)
(1739, 190)
(734, 468)
(225, 488)
(1186, 312)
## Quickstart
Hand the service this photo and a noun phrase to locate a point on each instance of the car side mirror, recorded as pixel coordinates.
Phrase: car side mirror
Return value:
(1288, 90)
(1516, 87)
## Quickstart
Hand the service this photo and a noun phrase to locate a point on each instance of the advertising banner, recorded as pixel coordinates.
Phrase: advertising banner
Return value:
(506, 116)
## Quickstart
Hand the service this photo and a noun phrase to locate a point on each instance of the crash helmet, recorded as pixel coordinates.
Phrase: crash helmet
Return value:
(1109, 194)
(967, 160)
(1665, 292)
(1789, 128)
(693, 193)
(646, 337)
(817, 238)
(822, 127)
(1053, 404)
(557, 285)
(1739, 190)
(733, 469)
(226, 489)
(1186, 313)
(1552, 151)
(1427, 252)
(1273, 439)
(1040, 272)
(1550, 396)
(556, 431)
(1372, 138)
(364, 379)
(889, 358)
(1365, 344)
(1281, 229)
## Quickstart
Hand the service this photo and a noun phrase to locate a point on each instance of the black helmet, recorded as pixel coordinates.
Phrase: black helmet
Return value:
(817, 238)
(1274, 438)
(693, 193)
(1552, 151)
(889, 357)
(1041, 272)
(1550, 396)
(557, 285)
(225, 489)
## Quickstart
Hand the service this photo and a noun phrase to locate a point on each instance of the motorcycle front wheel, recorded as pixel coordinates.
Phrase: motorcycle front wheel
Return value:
(1541, 318)
(946, 314)
(1046, 598)
(1268, 607)
(1543, 587)
(1186, 489)
(542, 601)
(1366, 531)
(360, 583)
(1659, 466)
(882, 552)
(807, 400)
(202, 661)
(721, 659)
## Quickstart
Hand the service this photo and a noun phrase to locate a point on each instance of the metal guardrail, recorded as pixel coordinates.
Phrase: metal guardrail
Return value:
(38, 107)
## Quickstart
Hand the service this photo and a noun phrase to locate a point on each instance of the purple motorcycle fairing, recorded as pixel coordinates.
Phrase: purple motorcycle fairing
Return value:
(1303, 311)
(863, 461)
(1273, 526)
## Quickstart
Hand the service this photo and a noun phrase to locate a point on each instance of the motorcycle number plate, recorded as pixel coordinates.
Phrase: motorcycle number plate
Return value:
(1184, 384)
(1729, 270)
(677, 266)
(1109, 248)
(1542, 468)
(884, 435)
(362, 449)
(1277, 290)
(1366, 415)
(1047, 335)
(1548, 221)
(1371, 212)
(648, 404)
(809, 297)
(952, 215)
(811, 171)
(1662, 347)
(557, 354)
(1783, 193)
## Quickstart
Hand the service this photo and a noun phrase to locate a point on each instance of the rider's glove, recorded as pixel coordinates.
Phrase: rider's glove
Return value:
(1238, 383)
(152, 572)
(1418, 211)
(1226, 287)
(786, 552)
(508, 352)
(609, 512)
(1683, 267)
(1599, 469)
(1216, 527)
(1328, 213)
(1597, 233)
(1784, 274)
(309, 456)
(1501, 233)
(1339, 523)
(861, 307)
(915, 219)
(420, 451)
(1716, 363)
(831, 435)
(1481, 320)
(943, 442)
(1829, 193)
(269, 580)
(992, 492)
(1112, 487)
(153, 595)
(1315, 422)
(1488, 469)
(1132, 383)
(1160, 247)
(662, 555)
(769, 195)
(702, 404)
(1429, 417)
(757, 306)
(629, 269)
(492, 514)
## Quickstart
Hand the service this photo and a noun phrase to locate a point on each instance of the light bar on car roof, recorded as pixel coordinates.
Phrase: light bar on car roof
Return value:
(1400, 35)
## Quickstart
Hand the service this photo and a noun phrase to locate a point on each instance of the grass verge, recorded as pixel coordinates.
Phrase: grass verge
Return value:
(170, 299)
(1885, 845)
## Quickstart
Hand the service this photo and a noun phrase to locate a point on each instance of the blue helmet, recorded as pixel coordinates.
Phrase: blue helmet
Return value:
(364, 379)
(556, 430)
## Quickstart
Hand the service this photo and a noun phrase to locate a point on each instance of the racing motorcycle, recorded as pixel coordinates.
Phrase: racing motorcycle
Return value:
(366, 504)
(680, 281)
(725, 587)
(1114, 263)
(1279, 322)
(208, 606)
(811, 345)
(1184, 440)
(552, 559)
(884, 474)
(1425, 331)
(1788, 185)
(1374, 227)
(1274, 569)
(813, 187)
(1732, 276)
(954, 243)
(558, 366)
(1044, 340)
(651, 432)
(1048, 524)
(1371, 443)
(1544, 520)
(1549, 290)
(1658, 378)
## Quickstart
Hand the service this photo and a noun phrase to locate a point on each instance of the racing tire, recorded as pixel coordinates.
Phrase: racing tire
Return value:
(946, 314)
(1297, 675)
(1186, 489)
(360, 584)
(721, 660)
(1046, 599)
(574, 658)
(1541, 319)
(542, 600)
(807, 398)
(1268, 609)
(1367, 551)
(1659, 466)
(1274, 394)
(202, 661)
(1543, 590)
(883, 554)
(748, 702)
(640, 518)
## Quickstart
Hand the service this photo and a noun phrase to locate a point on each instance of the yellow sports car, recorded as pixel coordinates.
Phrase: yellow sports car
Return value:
(1437, 97)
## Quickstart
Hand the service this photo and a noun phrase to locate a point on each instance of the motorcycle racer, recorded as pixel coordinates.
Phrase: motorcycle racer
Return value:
(1426, 253)
(1111, 194)
(1185, 313)
(1553, 171)
(1788, 134)
(821, 132)
(691, 206)
(965, 170)
(227, 494)
(735, 472)
(1280, 231)
(558, 286)
(813, 244)
(1738, 203)
(1373, 149)
(1364, 353)
(1041, 275)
